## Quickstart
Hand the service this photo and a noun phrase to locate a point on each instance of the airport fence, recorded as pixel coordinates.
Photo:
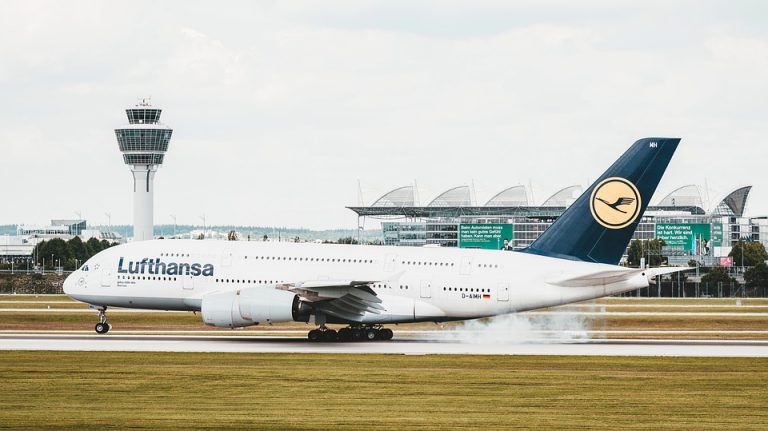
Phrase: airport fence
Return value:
(31, 283)
(699, 290)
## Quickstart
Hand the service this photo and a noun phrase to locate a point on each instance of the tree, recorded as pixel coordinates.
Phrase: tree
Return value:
(653, 249)
(635, 253)
(93, 246)
(77, 249)
(750, 253)
(57, 250)
(347, 240)
(232, 236)
(757, 276)
(650, 250)
(717, 275)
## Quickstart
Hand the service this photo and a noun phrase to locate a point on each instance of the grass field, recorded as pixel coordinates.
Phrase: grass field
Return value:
(96, 391)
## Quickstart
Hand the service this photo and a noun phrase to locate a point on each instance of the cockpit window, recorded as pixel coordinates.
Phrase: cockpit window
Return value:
(84, 268)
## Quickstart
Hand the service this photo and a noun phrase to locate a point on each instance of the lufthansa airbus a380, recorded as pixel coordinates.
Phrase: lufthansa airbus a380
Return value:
(237, 284)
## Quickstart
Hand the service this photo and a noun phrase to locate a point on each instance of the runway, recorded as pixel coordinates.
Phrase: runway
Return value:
(419, 345)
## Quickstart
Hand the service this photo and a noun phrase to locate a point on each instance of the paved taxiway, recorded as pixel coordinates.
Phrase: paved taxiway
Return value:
(410, 346)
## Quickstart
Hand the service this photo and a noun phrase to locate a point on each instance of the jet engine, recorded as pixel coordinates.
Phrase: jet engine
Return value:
(246, 307)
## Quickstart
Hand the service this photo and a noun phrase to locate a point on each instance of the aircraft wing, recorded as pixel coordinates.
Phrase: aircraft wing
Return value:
(611, 276)
(346, 299)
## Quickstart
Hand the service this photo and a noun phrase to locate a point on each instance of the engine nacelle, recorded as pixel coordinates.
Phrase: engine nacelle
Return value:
(246, 307)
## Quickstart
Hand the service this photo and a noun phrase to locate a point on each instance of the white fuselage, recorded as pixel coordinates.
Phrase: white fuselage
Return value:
(414, 284)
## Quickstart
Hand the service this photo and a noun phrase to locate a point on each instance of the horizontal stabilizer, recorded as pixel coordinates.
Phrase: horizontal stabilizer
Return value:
(611, 276)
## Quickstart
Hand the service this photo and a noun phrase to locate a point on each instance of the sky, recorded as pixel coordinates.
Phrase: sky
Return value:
(281, 108)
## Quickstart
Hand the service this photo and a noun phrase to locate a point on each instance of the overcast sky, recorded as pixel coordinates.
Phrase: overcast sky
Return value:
(279, 108)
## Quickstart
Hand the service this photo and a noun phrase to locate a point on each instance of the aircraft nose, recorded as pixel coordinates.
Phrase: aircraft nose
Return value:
(70, 283)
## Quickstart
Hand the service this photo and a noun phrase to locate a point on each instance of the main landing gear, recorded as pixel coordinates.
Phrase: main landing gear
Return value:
(103, 327)
(351, 333)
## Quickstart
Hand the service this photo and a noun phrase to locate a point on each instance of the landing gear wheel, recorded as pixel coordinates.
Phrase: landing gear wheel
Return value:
(330, 335)
(370, 334)
(386, 334)
(345, 334)
(315, 335)
(102, 328)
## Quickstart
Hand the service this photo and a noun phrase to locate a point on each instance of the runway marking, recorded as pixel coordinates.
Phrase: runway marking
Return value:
(560, 307)
(640, 313)
(264, 344)
(43, 302)
(86, 310)
(526, 313)
(256, 332)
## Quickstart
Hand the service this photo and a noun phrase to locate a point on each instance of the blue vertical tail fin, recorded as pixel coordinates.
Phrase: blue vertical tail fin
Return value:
(599, 225)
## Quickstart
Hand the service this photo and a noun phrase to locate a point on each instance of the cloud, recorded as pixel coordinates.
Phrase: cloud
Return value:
(278, 108)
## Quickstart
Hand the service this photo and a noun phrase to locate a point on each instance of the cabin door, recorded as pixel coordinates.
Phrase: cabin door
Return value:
(226, 257)
(188, 282)
(426, 289)
(389, 264)
(502, 292)
(466, 266)
(106, 278)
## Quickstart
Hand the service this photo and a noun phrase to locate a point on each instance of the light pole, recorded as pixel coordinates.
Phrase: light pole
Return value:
(173, 216)
(202, 217)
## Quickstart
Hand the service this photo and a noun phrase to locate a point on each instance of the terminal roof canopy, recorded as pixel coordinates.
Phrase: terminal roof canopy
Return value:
(515, 196)
(455, 197)
(564, 197)
(513, 202)
(399, 197)
(686, 196)
(733, 204)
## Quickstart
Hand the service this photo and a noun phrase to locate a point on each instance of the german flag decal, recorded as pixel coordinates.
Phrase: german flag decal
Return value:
(486, 296)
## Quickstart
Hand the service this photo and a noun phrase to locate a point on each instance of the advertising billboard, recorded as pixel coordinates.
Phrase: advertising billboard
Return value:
(486, 236)
(726, 261)
(695, 239)
(717, 235)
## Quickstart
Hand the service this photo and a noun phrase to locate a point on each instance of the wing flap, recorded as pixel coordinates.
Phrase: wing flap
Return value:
(346, 299)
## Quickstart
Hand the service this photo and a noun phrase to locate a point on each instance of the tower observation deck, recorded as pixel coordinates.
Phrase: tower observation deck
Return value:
(143, 143)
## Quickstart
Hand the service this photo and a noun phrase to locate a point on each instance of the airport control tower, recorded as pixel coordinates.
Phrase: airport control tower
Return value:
(143, 143)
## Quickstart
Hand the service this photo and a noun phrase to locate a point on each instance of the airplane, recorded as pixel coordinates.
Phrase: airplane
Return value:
(237, 283)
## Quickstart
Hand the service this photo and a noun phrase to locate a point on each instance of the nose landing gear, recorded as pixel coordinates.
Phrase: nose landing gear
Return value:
(102, 327)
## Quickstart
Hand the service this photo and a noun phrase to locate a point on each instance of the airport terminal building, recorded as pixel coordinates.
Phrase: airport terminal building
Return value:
(452, 220)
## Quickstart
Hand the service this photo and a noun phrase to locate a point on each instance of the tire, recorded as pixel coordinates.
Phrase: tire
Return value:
(371, 335)
(345, 334)
(330, 335)
(314, 335)
(102, 328)
(386, 334)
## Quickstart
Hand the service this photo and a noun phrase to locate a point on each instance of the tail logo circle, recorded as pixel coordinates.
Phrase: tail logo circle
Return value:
(615, 203)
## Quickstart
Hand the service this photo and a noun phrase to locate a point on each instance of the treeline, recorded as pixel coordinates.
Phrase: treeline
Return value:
(750, 255)
(69, 254)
